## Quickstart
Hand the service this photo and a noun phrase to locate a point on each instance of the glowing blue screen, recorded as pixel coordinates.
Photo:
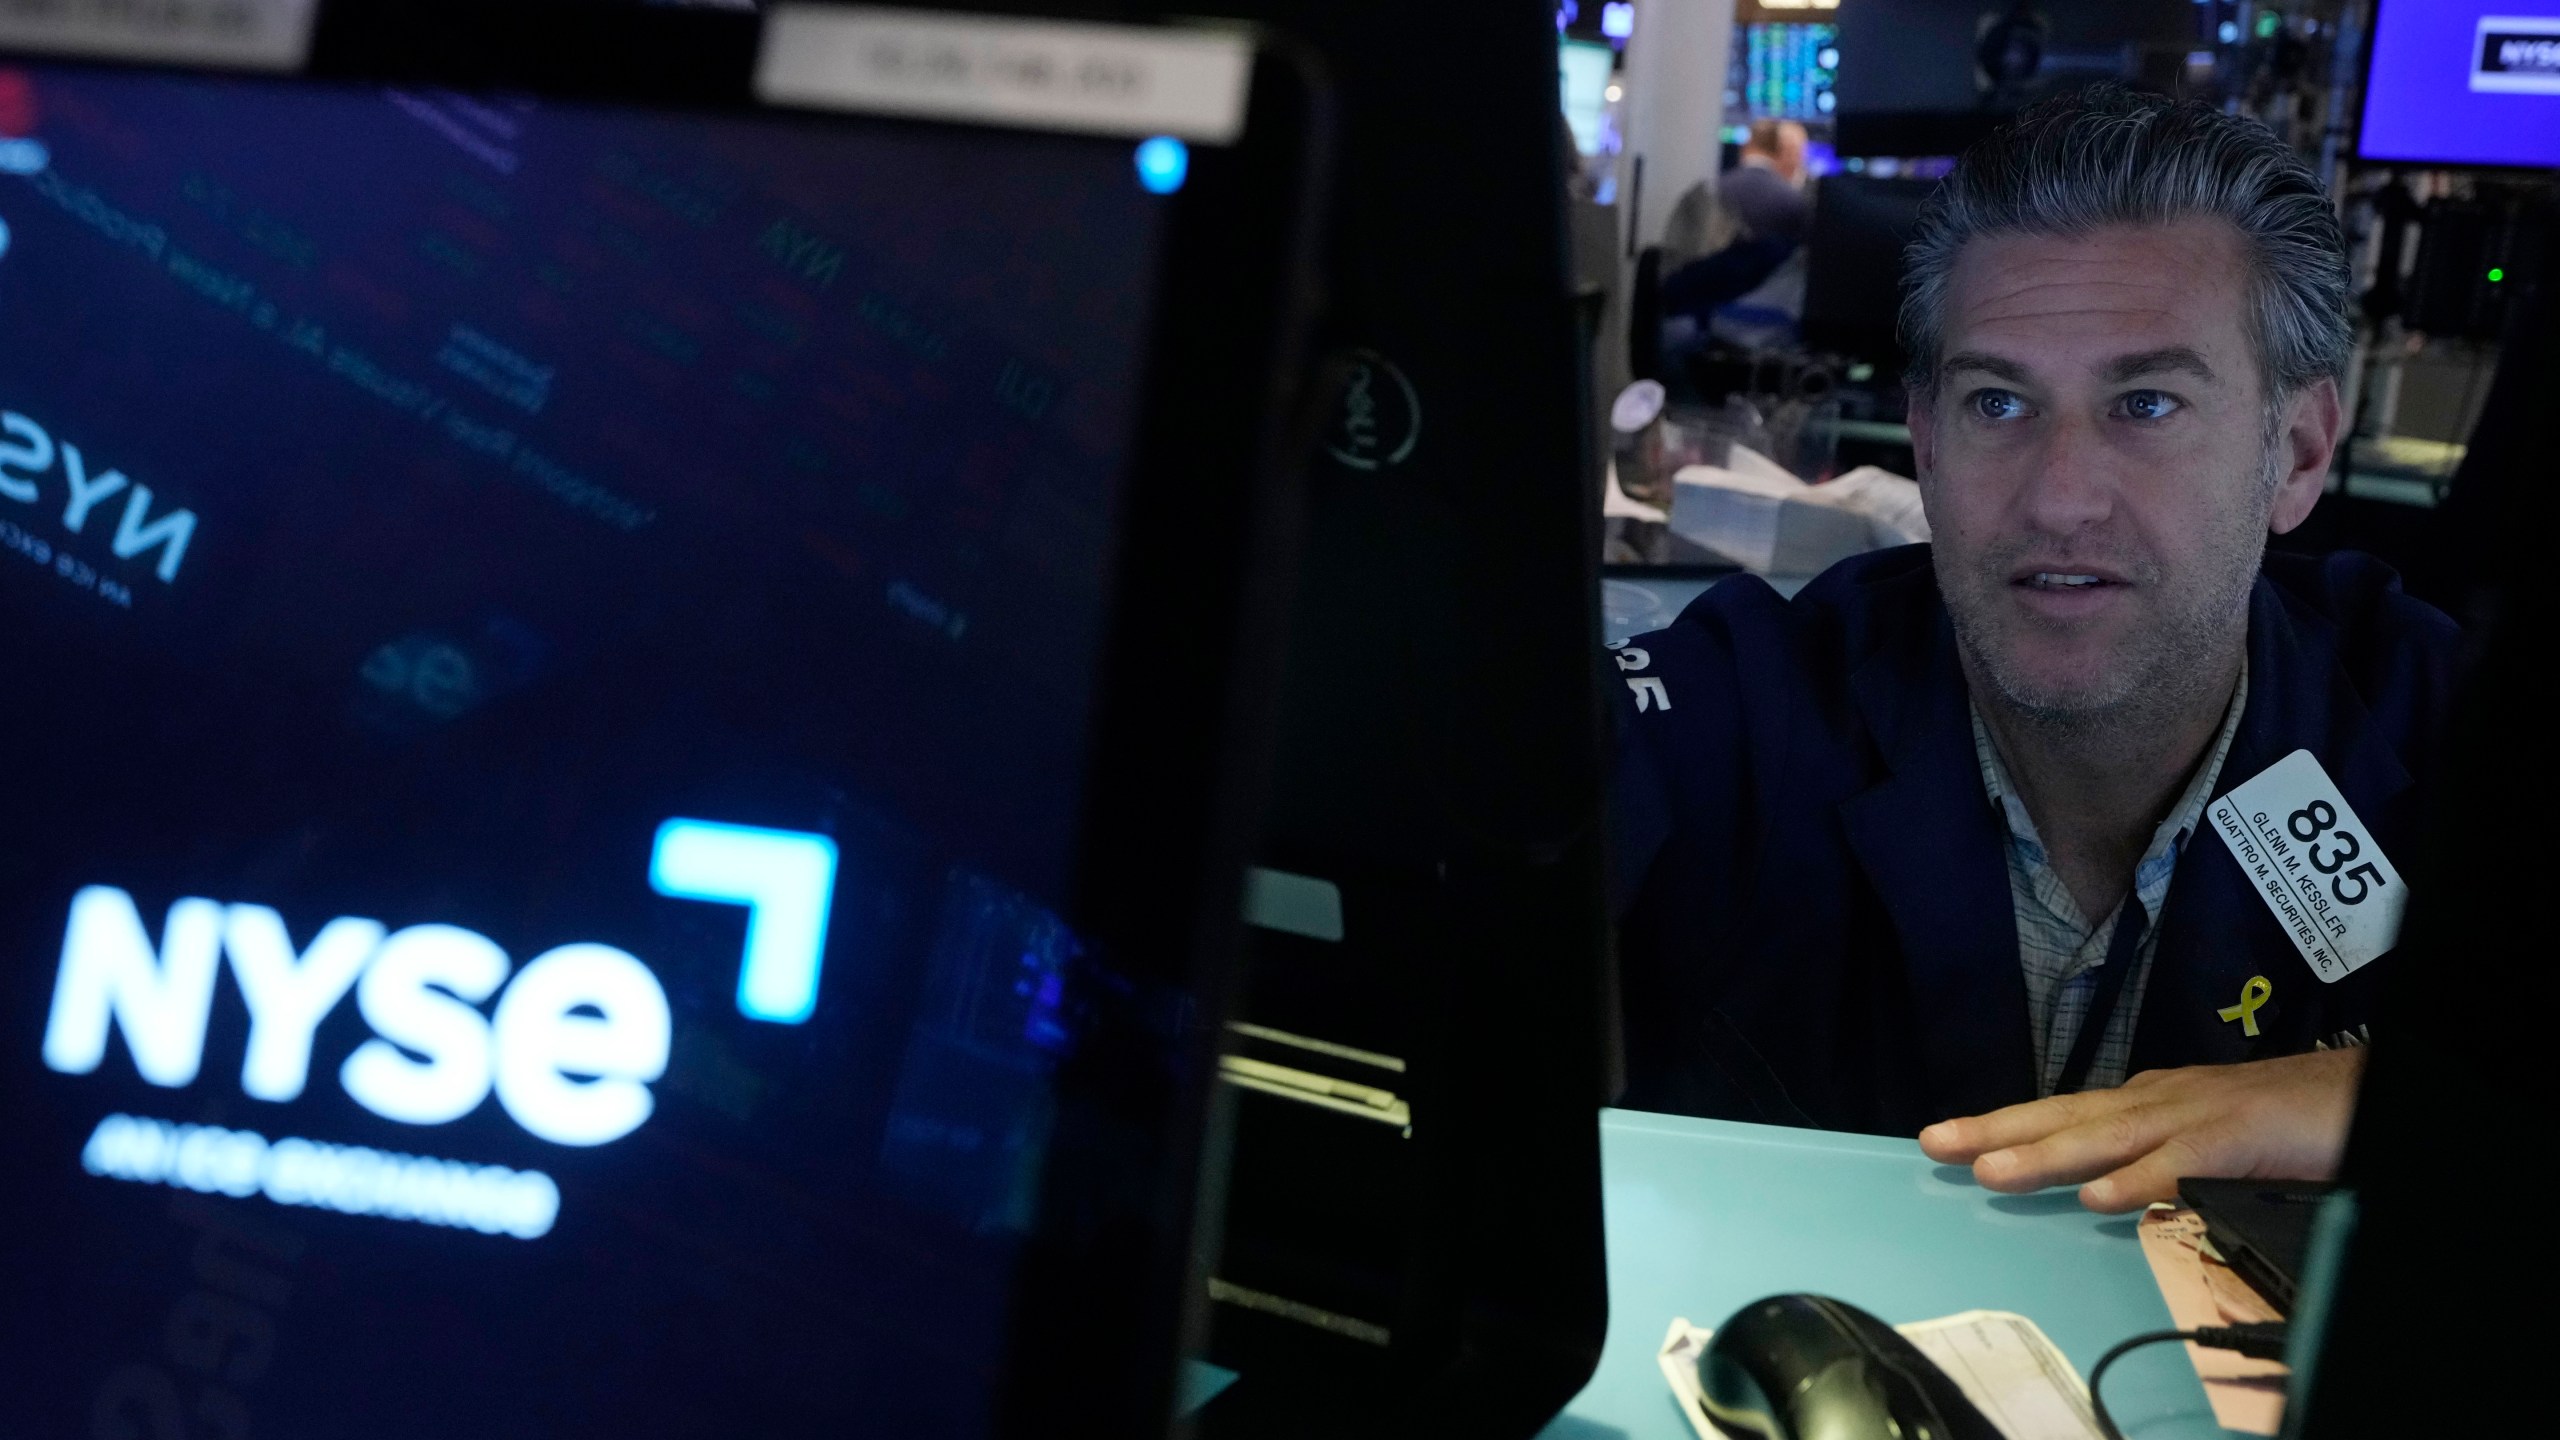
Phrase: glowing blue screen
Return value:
(548, 656)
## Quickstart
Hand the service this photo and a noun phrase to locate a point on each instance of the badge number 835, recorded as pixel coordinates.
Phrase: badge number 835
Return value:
(2331, 847)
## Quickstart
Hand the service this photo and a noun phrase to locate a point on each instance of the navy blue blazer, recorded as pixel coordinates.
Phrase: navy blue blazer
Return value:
(1815, 925)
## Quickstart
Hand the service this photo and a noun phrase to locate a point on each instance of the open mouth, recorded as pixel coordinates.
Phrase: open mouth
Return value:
(2062, 591)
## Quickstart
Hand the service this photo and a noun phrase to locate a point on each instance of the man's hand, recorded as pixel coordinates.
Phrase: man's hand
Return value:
(2267, 1119)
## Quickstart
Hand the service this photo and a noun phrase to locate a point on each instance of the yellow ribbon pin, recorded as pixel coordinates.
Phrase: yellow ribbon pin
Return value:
(2252, 995)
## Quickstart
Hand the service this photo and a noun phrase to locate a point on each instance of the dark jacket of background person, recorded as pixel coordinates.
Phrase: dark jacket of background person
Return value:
(1774, 213)
(1768, 204)
(1816, 920)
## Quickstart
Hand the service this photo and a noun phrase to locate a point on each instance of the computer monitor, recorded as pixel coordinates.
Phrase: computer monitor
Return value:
(629, 709)
(2435, 1222)
(1583, 68)
(1434, 924)
(1853, 264)
(2454, 83)
(1783, 71)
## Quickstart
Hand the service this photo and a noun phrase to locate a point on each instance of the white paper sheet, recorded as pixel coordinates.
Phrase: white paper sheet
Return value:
(1772, 523)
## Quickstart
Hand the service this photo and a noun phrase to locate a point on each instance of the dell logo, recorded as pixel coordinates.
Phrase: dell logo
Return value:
(1381, 417)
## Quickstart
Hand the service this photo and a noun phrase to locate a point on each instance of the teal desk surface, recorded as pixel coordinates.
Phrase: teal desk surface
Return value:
(1705, 1216)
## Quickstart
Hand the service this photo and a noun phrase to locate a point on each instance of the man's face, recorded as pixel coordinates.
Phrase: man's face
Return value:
(2096, 468)
(1790, 152)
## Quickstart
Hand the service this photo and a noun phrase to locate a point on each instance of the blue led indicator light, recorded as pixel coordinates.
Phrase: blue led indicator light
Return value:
(21, 156)
(1163, 162)
(787, 881)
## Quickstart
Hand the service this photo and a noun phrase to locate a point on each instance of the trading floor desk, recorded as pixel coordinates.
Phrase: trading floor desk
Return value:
(1705, 1216)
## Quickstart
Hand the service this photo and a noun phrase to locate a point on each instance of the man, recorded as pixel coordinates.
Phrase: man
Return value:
(1763, 207)
(1934, 839)
(1764, 191)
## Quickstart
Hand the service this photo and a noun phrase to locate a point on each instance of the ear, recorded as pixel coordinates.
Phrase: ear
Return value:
(2308, 442)
(1922, 416)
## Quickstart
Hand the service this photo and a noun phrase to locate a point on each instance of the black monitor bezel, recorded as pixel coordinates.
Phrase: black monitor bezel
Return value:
(1200, 584)
(2372, 42)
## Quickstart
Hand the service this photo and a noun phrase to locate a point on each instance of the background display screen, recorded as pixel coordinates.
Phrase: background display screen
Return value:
(1582, 72)
(547, 655)
(1783, 72)
(2464, 84)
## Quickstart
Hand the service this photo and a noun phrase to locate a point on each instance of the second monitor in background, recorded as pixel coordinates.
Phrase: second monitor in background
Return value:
(1853, 280)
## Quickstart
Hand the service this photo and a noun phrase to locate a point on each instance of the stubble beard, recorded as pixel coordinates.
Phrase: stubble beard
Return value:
(2162, 670)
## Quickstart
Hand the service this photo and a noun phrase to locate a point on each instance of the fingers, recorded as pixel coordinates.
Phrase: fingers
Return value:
(2130, 1145)
(2155, 1176)
(1950, 1142)
(2107, 1142)
(1965, 1139)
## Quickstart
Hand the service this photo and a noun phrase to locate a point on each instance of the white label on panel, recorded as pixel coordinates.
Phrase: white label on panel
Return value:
(1049, 75)
(233, 34)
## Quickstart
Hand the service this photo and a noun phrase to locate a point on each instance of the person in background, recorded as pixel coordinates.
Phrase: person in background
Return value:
(1763, 200)
(1765, 190)
(1935, 846)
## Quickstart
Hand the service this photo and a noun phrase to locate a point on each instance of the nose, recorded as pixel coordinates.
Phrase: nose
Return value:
(2072, 485)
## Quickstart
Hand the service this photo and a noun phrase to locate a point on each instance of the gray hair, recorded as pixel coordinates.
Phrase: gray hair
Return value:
(2106, 156)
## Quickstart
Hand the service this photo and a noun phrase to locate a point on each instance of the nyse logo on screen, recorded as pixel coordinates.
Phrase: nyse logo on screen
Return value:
(2516, 55)
(577, 1034)
(31, 456)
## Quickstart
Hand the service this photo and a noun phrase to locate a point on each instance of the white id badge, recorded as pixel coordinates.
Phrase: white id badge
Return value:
(2314, 863)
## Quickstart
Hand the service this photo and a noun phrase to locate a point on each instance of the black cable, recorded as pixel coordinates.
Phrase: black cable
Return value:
(2263, 1340)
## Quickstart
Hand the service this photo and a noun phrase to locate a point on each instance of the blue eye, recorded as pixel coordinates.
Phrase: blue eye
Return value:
(2150, 405)
(1996, 404)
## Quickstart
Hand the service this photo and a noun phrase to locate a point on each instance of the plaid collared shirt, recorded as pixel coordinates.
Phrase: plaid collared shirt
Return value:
(2058, 948)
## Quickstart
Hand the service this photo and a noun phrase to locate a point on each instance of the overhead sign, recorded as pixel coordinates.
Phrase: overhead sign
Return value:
(2516, 54)
(231, 34)
(1054, 75)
